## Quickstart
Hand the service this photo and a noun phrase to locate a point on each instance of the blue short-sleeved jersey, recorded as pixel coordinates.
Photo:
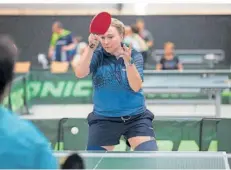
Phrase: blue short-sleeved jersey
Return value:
(112, 95)
(169, 64)
(22, 146)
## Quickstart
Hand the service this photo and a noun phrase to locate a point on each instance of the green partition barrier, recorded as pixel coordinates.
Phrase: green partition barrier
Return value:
(185, 134)
(49, 128)
(224, 135)
(173, 134)
(17, 98)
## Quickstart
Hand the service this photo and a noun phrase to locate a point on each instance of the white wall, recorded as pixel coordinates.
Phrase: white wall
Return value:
(180, 9)
(128, 8)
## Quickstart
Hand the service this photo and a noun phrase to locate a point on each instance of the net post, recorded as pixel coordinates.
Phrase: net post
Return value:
(60, 134)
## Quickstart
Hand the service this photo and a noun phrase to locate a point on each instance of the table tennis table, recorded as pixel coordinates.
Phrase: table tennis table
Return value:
(151, 160)
(203, 82)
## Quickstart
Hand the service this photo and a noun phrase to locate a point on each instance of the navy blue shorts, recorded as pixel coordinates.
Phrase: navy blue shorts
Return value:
(107, 131)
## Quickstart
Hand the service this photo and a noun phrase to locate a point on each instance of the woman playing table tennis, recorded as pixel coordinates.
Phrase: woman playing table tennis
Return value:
(119, 103)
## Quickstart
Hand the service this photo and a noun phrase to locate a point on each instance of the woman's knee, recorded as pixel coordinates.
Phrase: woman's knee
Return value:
(150, 145)
(143, 143)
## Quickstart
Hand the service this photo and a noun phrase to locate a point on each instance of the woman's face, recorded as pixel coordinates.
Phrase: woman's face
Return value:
(111, 40)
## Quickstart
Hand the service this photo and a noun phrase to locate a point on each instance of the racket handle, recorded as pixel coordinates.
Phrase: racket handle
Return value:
(92, 46)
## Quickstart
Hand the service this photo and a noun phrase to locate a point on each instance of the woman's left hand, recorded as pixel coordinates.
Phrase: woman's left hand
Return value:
(126, 53)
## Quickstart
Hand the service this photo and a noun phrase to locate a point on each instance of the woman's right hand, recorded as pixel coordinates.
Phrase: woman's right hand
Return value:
(93, 41)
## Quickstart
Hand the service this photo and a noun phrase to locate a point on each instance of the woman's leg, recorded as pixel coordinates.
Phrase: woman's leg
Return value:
(140, 133)
(103, 133)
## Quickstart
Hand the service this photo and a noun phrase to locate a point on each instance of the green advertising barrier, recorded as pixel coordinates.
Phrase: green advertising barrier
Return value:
(47, 88)
(173, 134)
(42, 87)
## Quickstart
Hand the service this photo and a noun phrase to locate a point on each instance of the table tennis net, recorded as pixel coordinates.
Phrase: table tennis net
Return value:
(158, 160)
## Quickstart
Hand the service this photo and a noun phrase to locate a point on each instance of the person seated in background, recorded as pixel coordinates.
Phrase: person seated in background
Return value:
(169, 61)
(62, 44)
(22, 145)
(73, 161)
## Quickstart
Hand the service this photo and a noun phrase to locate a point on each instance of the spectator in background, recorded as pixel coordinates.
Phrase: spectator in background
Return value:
(132, 37)
(22, 146)
(146, 35)
(61, 44)
(128, 38)
(169, 61)
(73, 52)
(143, 46)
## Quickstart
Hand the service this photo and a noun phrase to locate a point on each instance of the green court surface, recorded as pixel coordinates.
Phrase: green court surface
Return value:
(153, 160)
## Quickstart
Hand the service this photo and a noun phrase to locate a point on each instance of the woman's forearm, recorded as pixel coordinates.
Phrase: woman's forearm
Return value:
(134, 78)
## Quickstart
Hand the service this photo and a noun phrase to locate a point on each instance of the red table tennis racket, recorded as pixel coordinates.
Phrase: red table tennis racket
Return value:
(100, 23)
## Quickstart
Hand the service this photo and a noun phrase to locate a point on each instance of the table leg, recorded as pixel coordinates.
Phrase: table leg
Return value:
(218, 103)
